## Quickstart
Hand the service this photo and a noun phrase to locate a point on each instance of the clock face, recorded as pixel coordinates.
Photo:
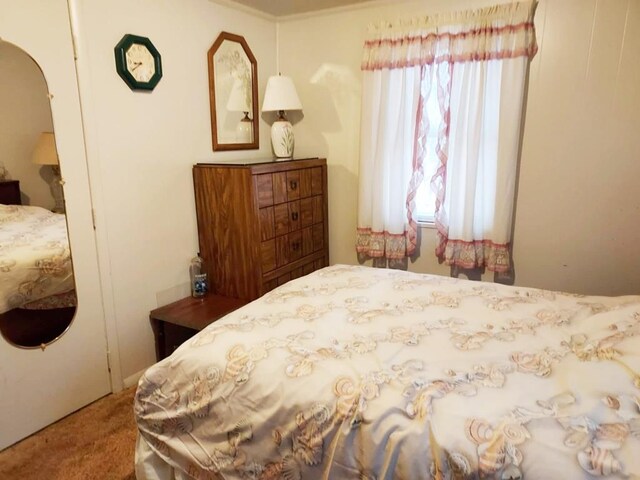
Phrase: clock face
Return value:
(140, 62)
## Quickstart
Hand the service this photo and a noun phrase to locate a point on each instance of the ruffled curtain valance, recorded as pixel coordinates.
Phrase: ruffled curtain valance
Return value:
(502, 31)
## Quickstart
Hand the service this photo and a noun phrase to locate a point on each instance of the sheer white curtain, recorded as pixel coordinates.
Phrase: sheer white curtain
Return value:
(486, 100)
(388, 128)
(472, 69)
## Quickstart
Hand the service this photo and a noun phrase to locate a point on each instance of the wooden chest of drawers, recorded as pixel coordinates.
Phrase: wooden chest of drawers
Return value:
(261, 224)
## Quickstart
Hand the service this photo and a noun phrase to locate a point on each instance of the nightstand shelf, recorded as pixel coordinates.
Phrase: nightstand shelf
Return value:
(177, 322)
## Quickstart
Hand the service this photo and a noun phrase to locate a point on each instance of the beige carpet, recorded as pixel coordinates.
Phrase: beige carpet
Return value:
(97, 442)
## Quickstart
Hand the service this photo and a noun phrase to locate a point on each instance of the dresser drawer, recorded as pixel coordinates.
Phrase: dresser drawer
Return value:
(288, 248)
(281, 187)
(306, 211)
(293, 185)
(281, 219)
(307, 241)
(297, 272)
(299, 183)
(268, 255)
(283, 241)
(294, 215)
(317, 234)
(267, 223)
(263, 185)
(288, 217)
(318, 209)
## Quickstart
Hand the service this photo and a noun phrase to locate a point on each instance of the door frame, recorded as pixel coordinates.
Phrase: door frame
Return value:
(90, 134)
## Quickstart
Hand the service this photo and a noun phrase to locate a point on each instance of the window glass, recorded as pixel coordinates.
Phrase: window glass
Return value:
(425, 197)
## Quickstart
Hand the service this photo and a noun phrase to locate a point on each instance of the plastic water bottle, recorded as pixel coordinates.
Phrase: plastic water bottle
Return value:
(198, 277)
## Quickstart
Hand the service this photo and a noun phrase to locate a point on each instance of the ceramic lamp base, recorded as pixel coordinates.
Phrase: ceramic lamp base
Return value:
(56, 190)
(282, 138)
(244, 131)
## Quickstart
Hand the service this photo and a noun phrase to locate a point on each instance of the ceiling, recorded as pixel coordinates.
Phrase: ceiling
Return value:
(290, 7)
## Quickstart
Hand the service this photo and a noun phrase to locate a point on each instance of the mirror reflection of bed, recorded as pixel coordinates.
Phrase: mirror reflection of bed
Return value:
(37, 287)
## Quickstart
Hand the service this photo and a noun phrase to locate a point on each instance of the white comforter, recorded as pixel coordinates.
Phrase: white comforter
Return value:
(35, 260)
(360, 373)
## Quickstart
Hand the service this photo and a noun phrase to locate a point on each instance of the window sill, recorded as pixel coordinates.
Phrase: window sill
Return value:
(425, 224)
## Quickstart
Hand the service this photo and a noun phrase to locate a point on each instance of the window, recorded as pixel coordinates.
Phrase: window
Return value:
(472, 66)
(425, 202)
(426, 197)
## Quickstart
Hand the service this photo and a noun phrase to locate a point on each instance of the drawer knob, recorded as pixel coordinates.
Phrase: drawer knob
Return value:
(294, 216)
(293, 184)
(295, 246)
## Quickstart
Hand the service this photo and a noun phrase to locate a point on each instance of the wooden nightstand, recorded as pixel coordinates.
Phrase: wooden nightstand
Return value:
(10, 192)
(177, 322)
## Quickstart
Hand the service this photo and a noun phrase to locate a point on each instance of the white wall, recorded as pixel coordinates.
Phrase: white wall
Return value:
(577, 223)
(141, 147)
(24, 114)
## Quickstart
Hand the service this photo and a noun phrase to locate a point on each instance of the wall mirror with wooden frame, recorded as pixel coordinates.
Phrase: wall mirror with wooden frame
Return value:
(233, 94)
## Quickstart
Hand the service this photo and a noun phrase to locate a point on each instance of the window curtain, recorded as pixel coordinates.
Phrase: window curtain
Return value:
(473, 65)
(388, 130)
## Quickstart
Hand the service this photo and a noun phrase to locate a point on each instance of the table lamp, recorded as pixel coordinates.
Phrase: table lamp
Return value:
(280, 96)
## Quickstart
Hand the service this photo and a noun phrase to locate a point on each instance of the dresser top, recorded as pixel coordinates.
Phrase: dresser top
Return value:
(256, 161)
(258, 166)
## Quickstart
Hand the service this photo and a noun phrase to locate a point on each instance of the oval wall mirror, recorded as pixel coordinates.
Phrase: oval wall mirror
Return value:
(37, 286)
(233, 94)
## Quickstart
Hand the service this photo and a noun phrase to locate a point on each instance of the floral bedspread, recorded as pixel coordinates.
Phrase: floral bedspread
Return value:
(35, 260)
(359, 373)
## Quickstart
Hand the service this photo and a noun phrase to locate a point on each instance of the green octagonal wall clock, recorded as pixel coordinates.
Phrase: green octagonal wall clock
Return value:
(138, 62)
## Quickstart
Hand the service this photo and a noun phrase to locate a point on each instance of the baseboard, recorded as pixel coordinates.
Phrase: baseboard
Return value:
(132, 380)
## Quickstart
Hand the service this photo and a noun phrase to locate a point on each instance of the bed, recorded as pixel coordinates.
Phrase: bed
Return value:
(35, 261)
(360, 373)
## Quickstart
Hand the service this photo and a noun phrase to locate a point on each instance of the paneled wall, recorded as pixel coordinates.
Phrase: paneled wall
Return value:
(578, 213)
(577, 222)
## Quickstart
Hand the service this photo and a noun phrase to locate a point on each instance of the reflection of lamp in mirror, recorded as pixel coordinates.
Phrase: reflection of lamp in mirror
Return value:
(279, 96)
(239, 101)
(45, 154)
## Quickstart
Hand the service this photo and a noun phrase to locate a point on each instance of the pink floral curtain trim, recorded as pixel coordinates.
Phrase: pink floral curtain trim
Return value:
(439, 179)
(382, 244)
(478, 253)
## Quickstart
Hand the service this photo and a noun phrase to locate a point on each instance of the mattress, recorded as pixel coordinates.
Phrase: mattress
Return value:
(355, 372)
(35, 259)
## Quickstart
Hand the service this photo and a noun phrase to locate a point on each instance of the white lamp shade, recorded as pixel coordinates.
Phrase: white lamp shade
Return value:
(45, 151)
(239, 98)
(280, 95)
